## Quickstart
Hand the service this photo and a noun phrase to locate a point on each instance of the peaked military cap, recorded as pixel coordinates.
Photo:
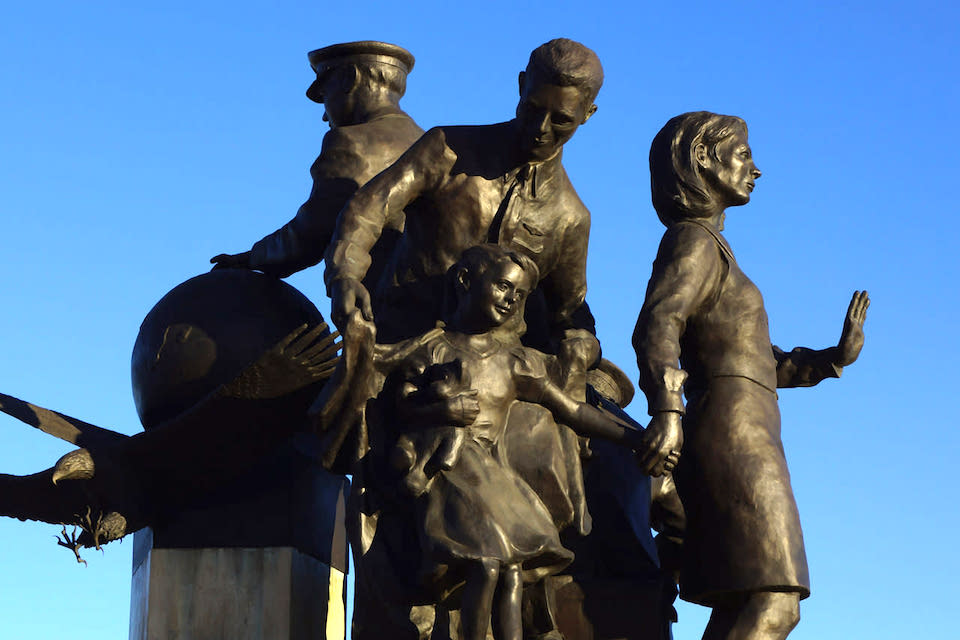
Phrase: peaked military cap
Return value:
(611, 382)
(364, 51)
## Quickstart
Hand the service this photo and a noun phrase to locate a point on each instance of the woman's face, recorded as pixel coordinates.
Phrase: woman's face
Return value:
(730, 170)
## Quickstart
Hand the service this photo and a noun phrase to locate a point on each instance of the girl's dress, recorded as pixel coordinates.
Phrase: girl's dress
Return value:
(480, 508)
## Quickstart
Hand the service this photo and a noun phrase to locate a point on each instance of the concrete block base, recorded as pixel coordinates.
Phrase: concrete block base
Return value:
(274, 593)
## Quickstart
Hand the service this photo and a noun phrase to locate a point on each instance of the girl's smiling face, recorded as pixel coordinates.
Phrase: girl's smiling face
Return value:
(494, 296)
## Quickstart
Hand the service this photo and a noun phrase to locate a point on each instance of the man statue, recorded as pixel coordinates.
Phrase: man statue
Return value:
(360, 85)
(466, 185)
(462, 186)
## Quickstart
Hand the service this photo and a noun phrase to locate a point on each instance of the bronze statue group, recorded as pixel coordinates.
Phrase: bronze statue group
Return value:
(471, 395)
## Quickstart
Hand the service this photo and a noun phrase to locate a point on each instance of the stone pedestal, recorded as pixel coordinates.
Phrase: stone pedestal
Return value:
(276, 593)
(264, 558)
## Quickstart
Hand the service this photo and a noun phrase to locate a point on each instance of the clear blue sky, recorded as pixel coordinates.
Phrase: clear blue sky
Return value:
(139, 139)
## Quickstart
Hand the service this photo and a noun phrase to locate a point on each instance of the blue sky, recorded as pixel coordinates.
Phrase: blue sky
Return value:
(139, 139)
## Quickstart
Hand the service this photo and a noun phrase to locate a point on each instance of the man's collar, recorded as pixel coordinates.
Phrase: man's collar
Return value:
(538, 177)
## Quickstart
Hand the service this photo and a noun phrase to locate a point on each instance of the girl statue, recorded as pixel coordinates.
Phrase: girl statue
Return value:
(482, 531)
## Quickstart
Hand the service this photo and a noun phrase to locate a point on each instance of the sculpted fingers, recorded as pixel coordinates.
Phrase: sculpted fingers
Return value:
(661, 444)
(855, 304)
(218, 261)
(666, 463)
(863, 306)
(231, 260)
(851, 339)
(650, 456)
(318, 372)
(671, 461)
(465, 407)
(363, 303)
(653, 466)
(857, 311)
(340, 308)
(349, 294)
(852, 307)
(470, 403)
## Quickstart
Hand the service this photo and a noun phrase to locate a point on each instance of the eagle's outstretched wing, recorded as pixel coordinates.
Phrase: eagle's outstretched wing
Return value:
(136, 479)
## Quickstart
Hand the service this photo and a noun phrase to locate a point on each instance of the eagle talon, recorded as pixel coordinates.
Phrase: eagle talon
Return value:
(70, 541)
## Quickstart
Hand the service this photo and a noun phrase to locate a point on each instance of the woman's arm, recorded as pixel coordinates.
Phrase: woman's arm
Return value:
(687, 272)
(804, 367)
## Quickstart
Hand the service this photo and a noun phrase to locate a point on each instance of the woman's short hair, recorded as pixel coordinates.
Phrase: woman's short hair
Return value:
(677, 187)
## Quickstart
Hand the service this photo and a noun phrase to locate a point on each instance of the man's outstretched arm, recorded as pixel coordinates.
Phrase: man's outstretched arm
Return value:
(418, 171)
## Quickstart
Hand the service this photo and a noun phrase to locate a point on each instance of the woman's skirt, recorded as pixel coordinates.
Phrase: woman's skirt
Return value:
(743, 529)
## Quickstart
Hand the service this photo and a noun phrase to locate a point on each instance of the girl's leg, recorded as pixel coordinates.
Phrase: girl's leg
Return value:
(477, 602)
(509, 600)
(764, 615)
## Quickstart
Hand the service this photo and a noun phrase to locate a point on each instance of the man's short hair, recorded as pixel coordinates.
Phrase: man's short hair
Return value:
(387, 75)
(566, 63)
(391, 77)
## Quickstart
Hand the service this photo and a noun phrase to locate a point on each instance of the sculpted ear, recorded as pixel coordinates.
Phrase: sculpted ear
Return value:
(463, 279)
(701, 155)
(590, 111)
(521, 79)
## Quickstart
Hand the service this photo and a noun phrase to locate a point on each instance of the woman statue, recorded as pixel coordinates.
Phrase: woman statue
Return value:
(743, 549)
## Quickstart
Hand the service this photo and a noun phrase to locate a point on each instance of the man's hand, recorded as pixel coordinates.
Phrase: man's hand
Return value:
(851, 339)
(231, 261)
(347, 294)
(661, 444)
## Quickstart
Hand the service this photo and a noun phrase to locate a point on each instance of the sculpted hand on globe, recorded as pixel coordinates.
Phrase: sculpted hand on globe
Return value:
(851, 339)
(231, 260)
